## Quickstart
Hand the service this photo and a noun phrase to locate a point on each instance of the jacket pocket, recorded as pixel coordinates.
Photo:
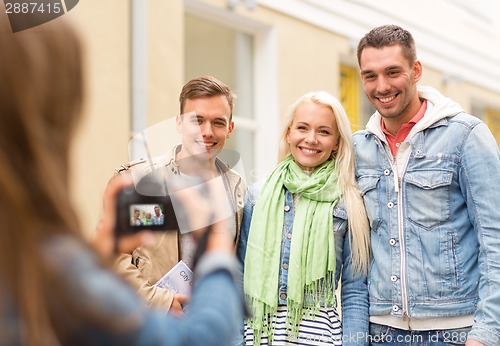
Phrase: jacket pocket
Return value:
(427, 197)
(452, 260)
(368, 188)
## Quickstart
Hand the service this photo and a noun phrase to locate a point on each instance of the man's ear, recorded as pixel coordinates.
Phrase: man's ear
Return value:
(417, 71)
(178, 123)
(230, 129)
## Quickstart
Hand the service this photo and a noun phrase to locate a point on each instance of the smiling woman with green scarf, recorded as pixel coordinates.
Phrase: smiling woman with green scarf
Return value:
(303, 227)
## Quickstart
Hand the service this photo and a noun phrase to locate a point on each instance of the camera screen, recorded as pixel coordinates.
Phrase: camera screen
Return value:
(146, 215)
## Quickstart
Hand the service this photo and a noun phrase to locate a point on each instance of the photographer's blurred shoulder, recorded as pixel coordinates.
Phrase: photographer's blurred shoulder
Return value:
(145, 266)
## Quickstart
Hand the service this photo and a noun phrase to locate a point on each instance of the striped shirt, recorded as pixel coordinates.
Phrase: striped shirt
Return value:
(323, 329)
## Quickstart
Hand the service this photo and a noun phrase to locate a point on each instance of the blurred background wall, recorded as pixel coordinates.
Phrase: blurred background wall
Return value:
(270, 52)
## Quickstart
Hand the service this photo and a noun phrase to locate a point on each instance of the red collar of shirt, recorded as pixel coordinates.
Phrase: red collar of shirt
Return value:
(404, 130)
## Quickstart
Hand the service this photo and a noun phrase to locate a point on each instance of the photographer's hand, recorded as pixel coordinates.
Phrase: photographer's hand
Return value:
(104, 237)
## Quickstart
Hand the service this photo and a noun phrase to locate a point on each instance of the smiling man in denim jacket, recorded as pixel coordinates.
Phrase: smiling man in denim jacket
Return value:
(427, 172)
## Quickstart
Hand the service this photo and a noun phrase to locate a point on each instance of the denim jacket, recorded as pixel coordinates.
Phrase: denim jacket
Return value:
(354, 294)
(435, 226)
(98, 295)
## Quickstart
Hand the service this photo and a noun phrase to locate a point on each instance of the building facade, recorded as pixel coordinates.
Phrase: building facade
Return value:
(270, 52)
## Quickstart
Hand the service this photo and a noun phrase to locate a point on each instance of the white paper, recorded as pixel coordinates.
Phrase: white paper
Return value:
(179, 279)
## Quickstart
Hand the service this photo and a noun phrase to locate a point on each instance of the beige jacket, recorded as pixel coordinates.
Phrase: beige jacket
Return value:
(145, 266)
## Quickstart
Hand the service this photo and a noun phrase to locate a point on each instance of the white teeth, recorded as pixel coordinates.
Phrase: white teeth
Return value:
(208, 145)
(387, 99)
(310, 151)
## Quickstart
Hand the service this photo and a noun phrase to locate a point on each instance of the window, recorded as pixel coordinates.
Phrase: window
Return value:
(241, 53)
(227, 54)
(353, 99)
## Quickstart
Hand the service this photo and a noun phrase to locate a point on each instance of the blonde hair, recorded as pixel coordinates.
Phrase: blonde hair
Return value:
(359, 229)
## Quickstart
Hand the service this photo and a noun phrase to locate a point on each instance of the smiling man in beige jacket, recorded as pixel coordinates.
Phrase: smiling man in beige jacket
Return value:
(205, 122)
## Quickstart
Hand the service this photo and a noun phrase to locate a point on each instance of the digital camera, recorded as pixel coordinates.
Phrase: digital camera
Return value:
(147, 205)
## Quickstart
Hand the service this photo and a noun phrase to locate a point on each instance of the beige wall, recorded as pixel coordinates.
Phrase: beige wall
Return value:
(465, 93)
(166, 49)
(306, 64)
(102, 141)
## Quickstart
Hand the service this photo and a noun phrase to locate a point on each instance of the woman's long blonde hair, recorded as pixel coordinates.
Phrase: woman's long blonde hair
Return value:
(359, 229)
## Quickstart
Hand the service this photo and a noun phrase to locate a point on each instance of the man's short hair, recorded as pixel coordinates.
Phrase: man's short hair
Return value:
(206, 86)
(389, 35)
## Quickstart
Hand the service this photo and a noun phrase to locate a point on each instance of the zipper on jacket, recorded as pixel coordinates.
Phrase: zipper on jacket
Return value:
(397, 188)
(402, 278)
(402, 246)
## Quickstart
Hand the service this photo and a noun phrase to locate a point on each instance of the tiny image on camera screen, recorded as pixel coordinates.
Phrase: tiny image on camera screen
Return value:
(146, 214)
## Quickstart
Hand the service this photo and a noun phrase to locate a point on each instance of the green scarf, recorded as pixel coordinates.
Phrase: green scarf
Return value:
(311, 270)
